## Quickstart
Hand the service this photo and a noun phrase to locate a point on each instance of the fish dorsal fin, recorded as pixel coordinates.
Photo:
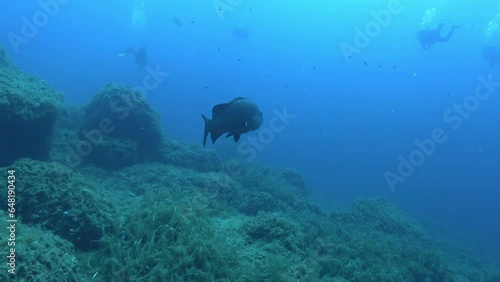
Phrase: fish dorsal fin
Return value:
(237, 99)
(217, 110)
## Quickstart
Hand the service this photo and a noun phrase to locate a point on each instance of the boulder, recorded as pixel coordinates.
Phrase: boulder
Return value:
(28, 111)
(119, 128)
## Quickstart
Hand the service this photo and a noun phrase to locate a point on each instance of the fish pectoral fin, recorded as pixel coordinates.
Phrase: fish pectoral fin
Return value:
(237, 137)
(215, 134)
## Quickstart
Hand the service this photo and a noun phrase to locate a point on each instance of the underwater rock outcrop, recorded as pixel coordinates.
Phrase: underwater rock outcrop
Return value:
(119, 128)
(294, 179)
(270, 189)
(175, 212)
(28, 111)
(185, 224)
(41, 255)
(276, 228)
(189, 156)
(56, 198)
(4, 59)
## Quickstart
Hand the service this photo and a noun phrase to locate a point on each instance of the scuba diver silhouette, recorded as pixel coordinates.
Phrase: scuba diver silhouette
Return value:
(140, 55)
(427, 37)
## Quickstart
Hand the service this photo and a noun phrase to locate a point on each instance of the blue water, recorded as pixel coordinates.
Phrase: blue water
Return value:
(352, 116)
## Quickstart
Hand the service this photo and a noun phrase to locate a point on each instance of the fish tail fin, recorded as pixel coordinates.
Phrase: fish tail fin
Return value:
(207, 129)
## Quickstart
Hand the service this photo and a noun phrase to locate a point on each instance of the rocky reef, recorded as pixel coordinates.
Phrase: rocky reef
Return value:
(63, 201)
(119, 128)
(28, 112)
(139, 206)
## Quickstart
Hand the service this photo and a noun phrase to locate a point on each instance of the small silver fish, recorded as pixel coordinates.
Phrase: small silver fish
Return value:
(73, 212)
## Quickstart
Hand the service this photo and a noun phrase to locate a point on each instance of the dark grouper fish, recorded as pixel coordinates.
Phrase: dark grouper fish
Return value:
(234, 118)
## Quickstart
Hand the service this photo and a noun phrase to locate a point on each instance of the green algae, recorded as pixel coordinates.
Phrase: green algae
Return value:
(41, 255)
(175, 228)
(28, 111)
(47, 191)
(144, 207)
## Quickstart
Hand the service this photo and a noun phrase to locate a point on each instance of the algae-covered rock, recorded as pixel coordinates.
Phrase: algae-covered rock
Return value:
(294, 180)
(386, 217)
(164, 239)
(40, 255)
(215, 185)
(254, 202)
(65, 133)
(28, 110)
(115, 153)
(376, 241)
(270, 227)
(160, 178)
(54, 197)
(190, 156)
(125, 115)
(4, 59)
(270, 189)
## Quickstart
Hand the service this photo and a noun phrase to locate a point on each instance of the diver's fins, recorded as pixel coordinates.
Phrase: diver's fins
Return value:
(126, 52)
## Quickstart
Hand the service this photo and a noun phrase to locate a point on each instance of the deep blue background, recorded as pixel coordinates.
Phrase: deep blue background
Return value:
(352, 120)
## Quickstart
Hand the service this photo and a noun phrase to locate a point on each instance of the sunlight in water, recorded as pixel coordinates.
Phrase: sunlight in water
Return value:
(428, 17)
(139, 15)
(491, 30)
